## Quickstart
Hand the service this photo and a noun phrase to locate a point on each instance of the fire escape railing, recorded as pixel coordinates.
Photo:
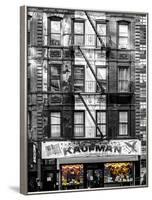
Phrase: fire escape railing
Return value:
(89, 65)
(96, 32)
(82, 99)
(103, 46)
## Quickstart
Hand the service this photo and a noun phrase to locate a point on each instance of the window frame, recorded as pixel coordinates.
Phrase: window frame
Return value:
(83, 79)
(82, 124)
(102, 81)
(100, 124)
(79, 34)
(122, 80)
(50, 76)
(50, 124)
(29, 20)
(127, 23)
(104, 36)
(54, 19)
(126, 123)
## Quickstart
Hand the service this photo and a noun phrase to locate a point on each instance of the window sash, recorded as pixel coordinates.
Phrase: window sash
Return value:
(123, 36)
(78, 130)
(101, 30)
(79, 78)
(79, 124)
(78, 39)
(55, 78)
(55, 32)
(55, 26)
(101, 122)
(55, 39)
(78, 33)
(123, 123)
(123, 128)
(55, 130)
(123, 79)
(102, 77)
(102, 128)
(55, 124)
(55, 118)
(77, 28)
(101, 73)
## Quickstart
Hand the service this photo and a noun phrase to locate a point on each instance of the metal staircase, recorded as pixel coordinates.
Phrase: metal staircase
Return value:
(102, 91)
(94, 121)
(96, 32)
(89, 65)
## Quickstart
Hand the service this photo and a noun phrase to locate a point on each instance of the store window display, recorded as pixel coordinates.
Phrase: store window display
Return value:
(118, 174)
(72, 176)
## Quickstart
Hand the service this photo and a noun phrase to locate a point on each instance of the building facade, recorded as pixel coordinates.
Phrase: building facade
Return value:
(86, 99)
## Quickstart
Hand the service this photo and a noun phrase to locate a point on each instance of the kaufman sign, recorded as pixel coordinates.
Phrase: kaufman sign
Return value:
(63, 149)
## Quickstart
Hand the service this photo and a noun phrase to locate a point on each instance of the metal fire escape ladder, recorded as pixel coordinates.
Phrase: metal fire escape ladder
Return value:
(96, 32)
(82, 99)
(87, 61)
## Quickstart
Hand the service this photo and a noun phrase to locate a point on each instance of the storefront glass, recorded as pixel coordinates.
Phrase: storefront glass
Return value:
(94, 178)
(50, 180)
(72, 176)
(118, 174)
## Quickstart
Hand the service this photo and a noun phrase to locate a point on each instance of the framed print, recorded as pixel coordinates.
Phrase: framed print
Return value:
(83, 100)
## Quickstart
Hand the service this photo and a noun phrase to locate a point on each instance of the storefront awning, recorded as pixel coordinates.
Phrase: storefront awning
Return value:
(95, 159)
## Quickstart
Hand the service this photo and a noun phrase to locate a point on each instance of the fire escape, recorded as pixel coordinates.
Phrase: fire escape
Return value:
(102, 90)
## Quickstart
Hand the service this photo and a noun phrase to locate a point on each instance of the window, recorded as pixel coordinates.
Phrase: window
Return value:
(55, 32)
(142, 92)
(28, 29)
(101, 76)
(118, 172)
(123, 123)
(79, 124)
(79, 78)
(72, 176)
(55, 124)
(55, 77)
(79, 33)
(143, 34)
(101, 30)
(29, 77)
(143, 121)
(29, 120)
(123, 79)
(123, 36)
(142, 105)
(142, 78)
(101, 122)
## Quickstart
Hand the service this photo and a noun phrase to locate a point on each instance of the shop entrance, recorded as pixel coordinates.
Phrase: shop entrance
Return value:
(94, 176)
(50, 180)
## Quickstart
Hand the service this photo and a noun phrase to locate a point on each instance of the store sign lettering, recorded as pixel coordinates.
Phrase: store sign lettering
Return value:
(97, 148)
(82, 148)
